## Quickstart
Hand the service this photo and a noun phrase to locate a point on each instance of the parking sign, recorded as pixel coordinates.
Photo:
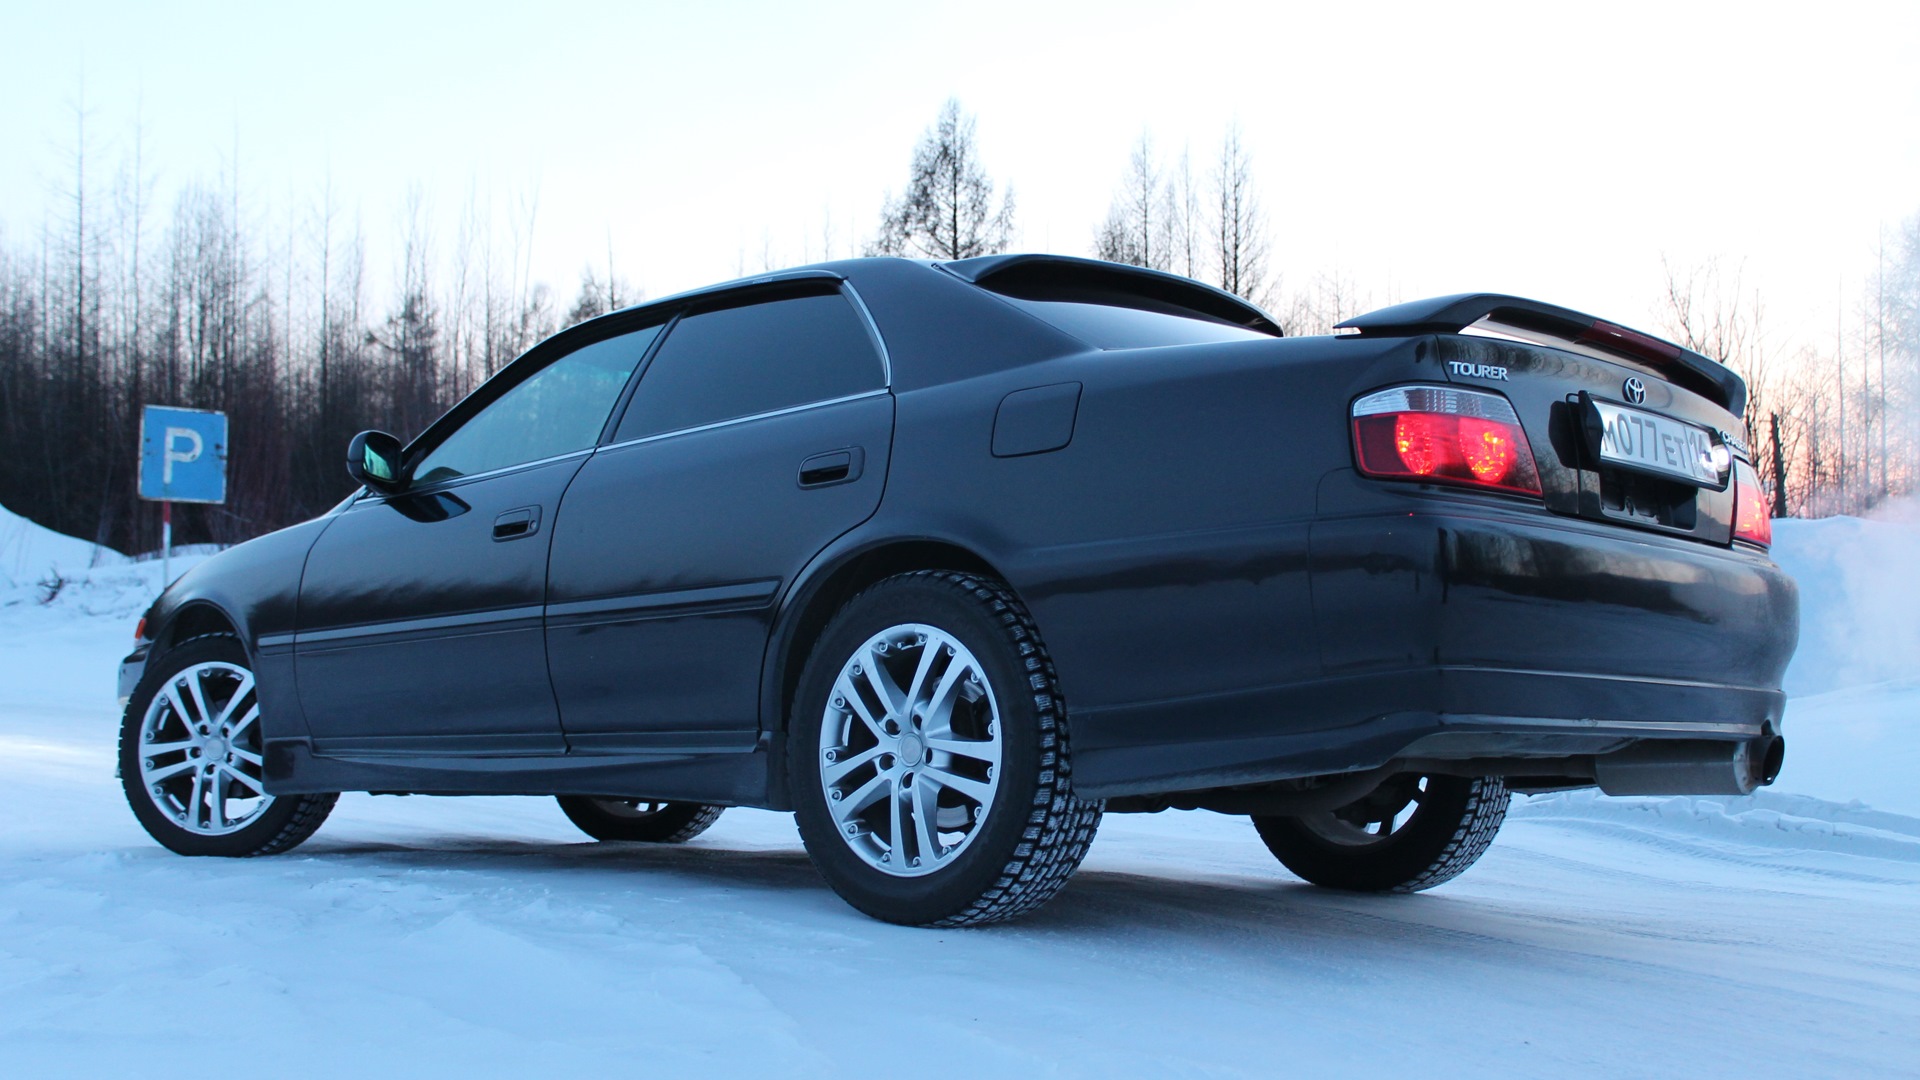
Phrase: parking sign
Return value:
(183, 455)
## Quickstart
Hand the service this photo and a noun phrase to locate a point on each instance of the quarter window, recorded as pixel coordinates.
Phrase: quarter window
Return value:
(755, 358)
(561, 408)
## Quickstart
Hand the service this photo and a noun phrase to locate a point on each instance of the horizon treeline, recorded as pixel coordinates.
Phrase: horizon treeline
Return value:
(118, 303)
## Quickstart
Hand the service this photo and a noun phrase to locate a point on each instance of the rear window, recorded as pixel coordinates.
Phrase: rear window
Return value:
(1111, 324)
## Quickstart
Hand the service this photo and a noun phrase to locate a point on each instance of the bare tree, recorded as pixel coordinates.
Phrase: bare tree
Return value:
(601, 295)
(949, 210)
(1704, 309)
(1239, 225)
(1185, 220)
(1890, 376)
(1831, 431)
(1332, 297)
(410, 338)
(1139, 227)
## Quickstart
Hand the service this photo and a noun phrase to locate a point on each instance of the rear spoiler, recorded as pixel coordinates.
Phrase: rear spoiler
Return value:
(1556, 326)
(1064, 277)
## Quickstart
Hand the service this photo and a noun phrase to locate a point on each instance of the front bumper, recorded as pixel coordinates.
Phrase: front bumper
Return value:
(131, 668)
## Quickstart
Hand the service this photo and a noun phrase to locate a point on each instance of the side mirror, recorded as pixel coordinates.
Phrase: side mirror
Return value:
(373, 459)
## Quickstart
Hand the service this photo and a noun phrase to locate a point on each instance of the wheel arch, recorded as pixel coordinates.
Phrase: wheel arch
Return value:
(812, 603)
(197, 618)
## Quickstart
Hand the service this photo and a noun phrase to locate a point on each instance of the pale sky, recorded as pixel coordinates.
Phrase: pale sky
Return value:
(1543, 149)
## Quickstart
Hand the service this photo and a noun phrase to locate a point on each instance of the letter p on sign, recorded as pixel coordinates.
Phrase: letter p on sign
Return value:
(184, 445)
(183, 455)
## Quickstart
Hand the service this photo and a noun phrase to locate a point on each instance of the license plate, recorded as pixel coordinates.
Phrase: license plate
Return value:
(1648, 442)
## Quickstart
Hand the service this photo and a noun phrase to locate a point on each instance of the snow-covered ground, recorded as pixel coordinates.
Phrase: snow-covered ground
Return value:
(1771, 936)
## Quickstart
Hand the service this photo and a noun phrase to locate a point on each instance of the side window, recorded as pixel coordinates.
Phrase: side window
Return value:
(739, 361)
(556, 410)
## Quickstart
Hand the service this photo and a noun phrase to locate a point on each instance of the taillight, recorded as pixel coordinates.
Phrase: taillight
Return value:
(1752, 520)
(1443, 435)
(140, 629)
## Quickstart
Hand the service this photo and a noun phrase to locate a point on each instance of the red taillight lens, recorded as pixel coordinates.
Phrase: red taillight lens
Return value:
(140, 629)
(1752, 519)
(1444, 435)
(1422, 441)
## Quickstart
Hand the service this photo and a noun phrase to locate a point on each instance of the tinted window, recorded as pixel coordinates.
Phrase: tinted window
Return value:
(558, 409)
(1110, 326)
(739, 361)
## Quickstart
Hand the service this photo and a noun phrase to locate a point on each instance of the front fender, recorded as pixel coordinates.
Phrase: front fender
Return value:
(254, 590)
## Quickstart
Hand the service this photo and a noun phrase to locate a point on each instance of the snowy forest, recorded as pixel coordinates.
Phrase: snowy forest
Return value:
(205, 302)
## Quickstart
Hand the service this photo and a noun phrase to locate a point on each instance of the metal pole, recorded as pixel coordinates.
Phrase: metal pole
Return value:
(166, 543)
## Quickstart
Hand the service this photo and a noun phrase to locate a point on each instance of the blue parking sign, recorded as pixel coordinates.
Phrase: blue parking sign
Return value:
(183, 455)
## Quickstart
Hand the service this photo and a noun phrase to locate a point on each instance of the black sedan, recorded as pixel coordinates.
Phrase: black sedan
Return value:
(951, 558)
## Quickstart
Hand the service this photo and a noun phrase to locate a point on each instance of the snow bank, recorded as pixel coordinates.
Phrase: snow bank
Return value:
(43, 568)
(1767, 818)
(1860, 743)
(1859, 597)
(31, 553)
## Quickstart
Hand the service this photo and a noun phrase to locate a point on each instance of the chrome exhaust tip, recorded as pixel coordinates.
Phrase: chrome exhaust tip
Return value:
(1765, 755)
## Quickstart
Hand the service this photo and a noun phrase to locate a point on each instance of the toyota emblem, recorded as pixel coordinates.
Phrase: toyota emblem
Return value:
(1636, 391)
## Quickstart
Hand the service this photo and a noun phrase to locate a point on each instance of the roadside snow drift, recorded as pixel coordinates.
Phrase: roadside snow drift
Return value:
(1767, 936)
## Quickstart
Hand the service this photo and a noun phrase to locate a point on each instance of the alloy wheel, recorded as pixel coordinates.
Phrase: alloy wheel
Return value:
(200, 754)
(910, 750)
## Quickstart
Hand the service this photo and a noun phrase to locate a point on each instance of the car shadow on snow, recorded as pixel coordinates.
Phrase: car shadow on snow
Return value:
(1099, 906)
(570, 861)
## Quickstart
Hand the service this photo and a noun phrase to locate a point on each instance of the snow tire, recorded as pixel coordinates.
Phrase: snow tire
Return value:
(622, 819)
(1036, 832)
(1450, 829)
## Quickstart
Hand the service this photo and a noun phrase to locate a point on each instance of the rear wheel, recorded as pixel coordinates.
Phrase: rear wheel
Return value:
(928, 757)
(642, 820)
(1411, 833)
(191, 757)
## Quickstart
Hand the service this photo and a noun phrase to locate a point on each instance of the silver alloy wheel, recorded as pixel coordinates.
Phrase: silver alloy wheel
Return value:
(200, 757)
(1373, 819)
(910, 750)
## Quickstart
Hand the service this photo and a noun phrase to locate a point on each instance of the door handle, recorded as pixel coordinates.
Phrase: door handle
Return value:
(515, 524)
(832, 467)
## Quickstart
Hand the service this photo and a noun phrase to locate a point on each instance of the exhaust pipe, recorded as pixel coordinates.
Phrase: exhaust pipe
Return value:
(1692, 767)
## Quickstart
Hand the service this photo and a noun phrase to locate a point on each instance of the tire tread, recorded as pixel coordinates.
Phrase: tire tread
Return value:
(1486, 811)
(1060, 826)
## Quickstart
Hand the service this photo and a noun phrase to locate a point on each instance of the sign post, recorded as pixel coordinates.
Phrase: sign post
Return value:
(183, 458)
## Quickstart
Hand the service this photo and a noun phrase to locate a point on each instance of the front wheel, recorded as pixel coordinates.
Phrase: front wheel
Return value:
(191, 758)
(1411, 833)
(928, 756)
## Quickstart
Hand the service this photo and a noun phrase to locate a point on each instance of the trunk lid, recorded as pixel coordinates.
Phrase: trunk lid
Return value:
(1554, 391)
(1554, 364)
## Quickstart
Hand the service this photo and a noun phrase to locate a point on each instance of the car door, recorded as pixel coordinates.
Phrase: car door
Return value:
(421, 613)
(758, 432)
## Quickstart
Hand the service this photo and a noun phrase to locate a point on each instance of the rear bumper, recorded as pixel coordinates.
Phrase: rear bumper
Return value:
(1361, 722)
(1490, 633)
